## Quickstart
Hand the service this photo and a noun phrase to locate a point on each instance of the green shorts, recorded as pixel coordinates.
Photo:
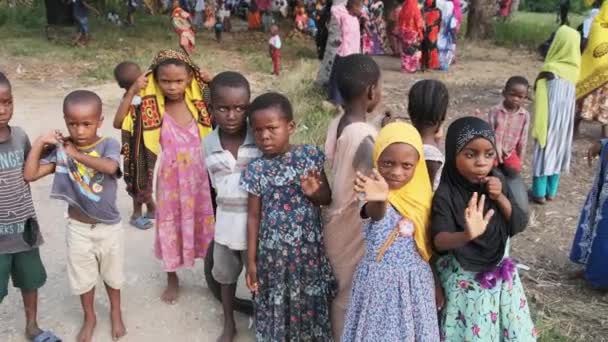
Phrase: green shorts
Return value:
(25, 268)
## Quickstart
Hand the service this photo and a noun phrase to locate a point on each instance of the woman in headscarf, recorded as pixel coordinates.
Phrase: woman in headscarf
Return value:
(474, 214)
(592, 87)
(552, 127)
(447, 34)
(432, 22)
(411, 27)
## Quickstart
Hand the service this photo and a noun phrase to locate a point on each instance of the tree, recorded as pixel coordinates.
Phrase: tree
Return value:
(481, 14)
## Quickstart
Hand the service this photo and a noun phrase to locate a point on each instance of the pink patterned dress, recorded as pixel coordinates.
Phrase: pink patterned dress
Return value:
(184, 213)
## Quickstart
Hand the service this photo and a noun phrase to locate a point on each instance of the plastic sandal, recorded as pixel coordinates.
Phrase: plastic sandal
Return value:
(46, 336)
(141, 222)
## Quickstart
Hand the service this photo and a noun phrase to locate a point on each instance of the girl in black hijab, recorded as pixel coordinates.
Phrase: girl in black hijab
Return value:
(473, 217)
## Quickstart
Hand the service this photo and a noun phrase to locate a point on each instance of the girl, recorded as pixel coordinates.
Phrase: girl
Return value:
(554, 113)
(432, 22)
(349, 145)
(484, 296)
(393, 295)
(182, 24)
(411, 27)
(287, 269)
(176, 121)
(590, 247)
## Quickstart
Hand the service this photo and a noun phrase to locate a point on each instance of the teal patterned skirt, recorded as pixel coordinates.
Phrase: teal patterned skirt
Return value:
(472, 313)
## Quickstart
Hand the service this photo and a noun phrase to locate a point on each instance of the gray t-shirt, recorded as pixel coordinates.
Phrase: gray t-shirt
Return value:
(93, 192)
(17, 215)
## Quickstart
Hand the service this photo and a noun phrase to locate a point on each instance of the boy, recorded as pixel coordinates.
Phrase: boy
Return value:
(510, 121)
(86, 168)
(274, 46)
(228, 150)
(20, 237)
(80, 11)
(139, 186)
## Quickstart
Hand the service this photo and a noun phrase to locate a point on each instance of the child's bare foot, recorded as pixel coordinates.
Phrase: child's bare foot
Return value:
(32, 330)
(229, 332)
(86, 332)
(118, 326)
(169, 296)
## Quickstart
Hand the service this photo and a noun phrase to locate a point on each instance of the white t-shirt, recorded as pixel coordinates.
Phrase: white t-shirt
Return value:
(275, 41)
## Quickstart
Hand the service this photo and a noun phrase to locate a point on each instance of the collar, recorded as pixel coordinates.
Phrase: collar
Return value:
(520, 111)
(215, 145)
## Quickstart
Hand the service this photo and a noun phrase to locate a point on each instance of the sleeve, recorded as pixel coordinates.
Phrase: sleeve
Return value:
(250, 179)
(363, 160)
(27, 146)
(112, 150)
(319, 158)
(441, 215)
(49, 156)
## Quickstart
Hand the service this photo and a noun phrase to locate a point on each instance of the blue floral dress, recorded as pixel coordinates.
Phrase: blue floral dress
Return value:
(294, 276)
(394, 299)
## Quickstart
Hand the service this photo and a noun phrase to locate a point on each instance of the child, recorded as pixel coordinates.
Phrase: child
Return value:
(20, 237)
(286, 265)
(129, 77)
(428, 106)
(131, 9)
(510, 121)
(347, 18)
(176, 119)
(393, 295)
(86, 168)
(274, 46)
(349, 145)
(554, 113)
(228, 150)
(80, 11)
(182, 24)
(222, 23)
(473, 217)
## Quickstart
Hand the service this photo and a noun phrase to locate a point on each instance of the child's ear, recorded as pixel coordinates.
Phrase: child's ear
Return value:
(291, 127)
(99, 124)
(371, 92)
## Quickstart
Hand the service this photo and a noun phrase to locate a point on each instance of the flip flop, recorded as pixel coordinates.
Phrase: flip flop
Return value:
(141, 223)
(150, 216)
(46, 336)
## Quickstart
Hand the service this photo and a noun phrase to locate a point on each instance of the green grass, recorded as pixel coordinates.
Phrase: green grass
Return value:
(528, 29)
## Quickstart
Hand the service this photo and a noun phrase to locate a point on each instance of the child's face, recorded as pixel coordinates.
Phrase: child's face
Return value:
(397, 164)
(271, 130)
(83, 120)
(173, 81)
(131, 75)
(228, 109)
(274, 30)
(6, 105)
(475, 161)
(515, 96)
(356, 9)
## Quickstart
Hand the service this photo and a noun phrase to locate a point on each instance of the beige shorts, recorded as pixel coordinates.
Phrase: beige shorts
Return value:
(94, 250)
(227, 264)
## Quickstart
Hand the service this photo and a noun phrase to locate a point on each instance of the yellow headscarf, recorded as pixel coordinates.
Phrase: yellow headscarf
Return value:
(563, 60)
(594, 68)
(413, 200)
(153, 103)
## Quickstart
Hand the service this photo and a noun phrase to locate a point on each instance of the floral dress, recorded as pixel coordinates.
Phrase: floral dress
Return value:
(294, 277)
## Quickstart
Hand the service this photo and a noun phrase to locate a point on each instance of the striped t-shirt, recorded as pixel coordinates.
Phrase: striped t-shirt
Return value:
(225, 173)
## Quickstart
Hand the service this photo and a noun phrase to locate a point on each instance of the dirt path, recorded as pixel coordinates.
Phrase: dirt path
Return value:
(474, 82)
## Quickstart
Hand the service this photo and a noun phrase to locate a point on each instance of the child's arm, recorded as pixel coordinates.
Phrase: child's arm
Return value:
(254, 206)
(104, 165)
(375, 191)
(125, 104)
(33, 170)
(315, 187)
(523, 138)
(494, 188)
(89, 6)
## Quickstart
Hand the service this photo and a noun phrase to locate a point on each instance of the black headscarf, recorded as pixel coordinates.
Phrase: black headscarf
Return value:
(453, 195)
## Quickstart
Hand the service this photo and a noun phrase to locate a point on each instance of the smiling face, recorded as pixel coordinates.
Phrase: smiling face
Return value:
(82, 121)
(476, 159)
(515, 96)
(173, 81)
(6, 105)
(397, 164)
(271, 130)
(229, 108)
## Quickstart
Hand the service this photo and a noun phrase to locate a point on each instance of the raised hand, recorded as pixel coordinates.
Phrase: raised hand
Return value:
(373, 188)
(140, 83)
(493, 187)
(474, 217)
(311, 182)
(52, 138)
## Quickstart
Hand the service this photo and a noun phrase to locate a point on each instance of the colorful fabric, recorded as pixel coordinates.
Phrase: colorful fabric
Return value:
(294, 277)
(377, 28)
(543, 186)
(350, 33)
(393, 299)
(447, 34)
(182, 24)
(563, 60)
(510, 130)
(432, 20)
(141, 126)
(254, 21)
(457, 14)
(474, 313)
(413, 200)
(184, 213)
(594, 106)
(590, 245)
(410, 19)
(594, 66)
(411, 32)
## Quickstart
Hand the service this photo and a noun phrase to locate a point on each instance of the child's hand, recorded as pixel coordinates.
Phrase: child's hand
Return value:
(52, 138)
(252, 278)
(205, 76)
(311, 182)
(439, 297)
(474, 218)
(593, 152)
(494, 187)
(373, 188)
(140, 83)
(70, 149)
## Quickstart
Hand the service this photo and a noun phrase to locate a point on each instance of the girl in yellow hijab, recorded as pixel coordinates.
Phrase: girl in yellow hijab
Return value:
(393, 296)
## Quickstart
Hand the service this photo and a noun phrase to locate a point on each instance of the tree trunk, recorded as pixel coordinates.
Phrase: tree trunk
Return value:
(481, 14)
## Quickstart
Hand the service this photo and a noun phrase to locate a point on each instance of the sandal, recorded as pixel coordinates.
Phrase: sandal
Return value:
(538, 200)
(150, 216)
(46, 336)
(142, 223)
